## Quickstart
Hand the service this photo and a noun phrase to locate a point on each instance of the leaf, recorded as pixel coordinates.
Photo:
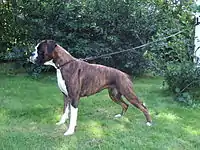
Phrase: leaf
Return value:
(177, 90)
(186, 95)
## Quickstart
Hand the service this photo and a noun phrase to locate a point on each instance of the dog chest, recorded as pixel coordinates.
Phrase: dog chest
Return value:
(61, 82)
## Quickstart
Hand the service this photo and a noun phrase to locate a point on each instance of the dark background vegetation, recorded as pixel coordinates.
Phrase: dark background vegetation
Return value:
(95, 27)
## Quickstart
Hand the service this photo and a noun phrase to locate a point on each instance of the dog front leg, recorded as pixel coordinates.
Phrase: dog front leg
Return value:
(65, 115)
(73, 118)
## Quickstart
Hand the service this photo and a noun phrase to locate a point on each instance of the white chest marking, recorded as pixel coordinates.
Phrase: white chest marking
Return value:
(61, 82)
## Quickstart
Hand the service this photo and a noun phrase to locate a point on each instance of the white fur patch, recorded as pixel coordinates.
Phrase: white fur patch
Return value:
(149, 124)
(50, 63)
(61, 82)
(35, 54)
(118, 116)
(64, 117)
(33, 57)
(73, 120)
(36, 47)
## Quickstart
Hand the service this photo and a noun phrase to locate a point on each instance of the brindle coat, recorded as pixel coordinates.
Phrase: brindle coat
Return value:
(84, 79)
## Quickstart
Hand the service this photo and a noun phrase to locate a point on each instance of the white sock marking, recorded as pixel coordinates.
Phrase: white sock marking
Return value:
(73, 120)
(149, 124)
(118, 116)
(64, 117)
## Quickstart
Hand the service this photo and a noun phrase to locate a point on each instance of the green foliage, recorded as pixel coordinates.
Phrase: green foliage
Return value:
(175, 49)
(88, 27)
(92, 28)
(183, 79)
(173, 57)
(181, 76)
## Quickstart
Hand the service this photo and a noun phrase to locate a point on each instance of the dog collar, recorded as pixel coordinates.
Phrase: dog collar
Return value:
(60, 66)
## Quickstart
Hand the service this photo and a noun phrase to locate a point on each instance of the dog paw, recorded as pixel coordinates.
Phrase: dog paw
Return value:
(67, 133)
(59, 123)
(118, 116)
(149, 124)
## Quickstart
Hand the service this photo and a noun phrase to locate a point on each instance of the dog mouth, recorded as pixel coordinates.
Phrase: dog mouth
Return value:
(32, 57)
(36, 60)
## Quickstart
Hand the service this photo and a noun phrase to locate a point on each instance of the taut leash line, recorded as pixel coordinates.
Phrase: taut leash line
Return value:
(131, 49)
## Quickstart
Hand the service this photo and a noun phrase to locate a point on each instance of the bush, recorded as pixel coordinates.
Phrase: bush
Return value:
(88, 27)
(93, 28)
(183, 79)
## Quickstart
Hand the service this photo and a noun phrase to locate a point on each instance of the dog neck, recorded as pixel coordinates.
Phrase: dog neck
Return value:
(62, 57)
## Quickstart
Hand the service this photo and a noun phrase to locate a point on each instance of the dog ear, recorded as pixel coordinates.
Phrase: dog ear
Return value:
(51, 44)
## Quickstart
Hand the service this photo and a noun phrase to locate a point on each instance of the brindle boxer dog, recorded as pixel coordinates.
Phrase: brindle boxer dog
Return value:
(77, 78)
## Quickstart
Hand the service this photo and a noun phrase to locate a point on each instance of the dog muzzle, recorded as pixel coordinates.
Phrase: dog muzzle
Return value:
(33, 57)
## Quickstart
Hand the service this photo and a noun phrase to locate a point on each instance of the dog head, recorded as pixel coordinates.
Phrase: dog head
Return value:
(43, 52)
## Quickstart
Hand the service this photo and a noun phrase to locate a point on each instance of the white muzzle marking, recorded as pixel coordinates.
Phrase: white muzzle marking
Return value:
(34, 55)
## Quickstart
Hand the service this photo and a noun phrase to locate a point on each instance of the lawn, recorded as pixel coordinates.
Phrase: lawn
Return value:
(30, 108)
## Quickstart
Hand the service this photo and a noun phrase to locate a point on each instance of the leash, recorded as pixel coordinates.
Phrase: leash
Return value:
(131, 49)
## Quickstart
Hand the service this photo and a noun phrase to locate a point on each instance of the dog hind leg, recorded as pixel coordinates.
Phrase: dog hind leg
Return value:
(116, 97)
(126, 89)
(132, 98)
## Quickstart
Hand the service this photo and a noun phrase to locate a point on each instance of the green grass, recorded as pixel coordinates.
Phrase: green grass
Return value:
(29, 110)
